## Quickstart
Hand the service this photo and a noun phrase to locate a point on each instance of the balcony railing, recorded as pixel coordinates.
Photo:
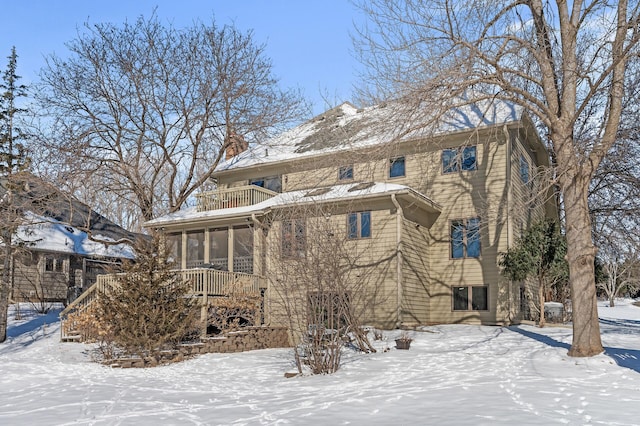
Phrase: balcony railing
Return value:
(233, 197)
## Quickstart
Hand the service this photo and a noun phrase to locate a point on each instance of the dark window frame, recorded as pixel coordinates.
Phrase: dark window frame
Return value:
(465, 298)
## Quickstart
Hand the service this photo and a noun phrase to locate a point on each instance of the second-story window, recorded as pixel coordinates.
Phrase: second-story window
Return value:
(345, 172)
(462, 158)
(396, 167)
(294, 238)
(465, 238)
(359, 225)
(524, 170)
(274, 183)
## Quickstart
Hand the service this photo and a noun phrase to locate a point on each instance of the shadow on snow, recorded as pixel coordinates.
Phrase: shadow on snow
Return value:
(628, 358)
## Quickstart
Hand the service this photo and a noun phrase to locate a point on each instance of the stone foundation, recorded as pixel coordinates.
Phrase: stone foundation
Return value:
(247, 339)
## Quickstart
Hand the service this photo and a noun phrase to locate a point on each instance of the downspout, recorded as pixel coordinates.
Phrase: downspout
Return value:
(399, 216)
(263, 268)
(509, 207)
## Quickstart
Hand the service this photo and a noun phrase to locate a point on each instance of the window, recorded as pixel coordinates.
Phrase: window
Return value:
(359, 225)
(328, 310)
(462, 158)
(524, 170)
(274, 183)
(479, 300)
(345, 172)
(465, 238)
(294, 239)
(48, 264)
(53, 265)
(396, 167)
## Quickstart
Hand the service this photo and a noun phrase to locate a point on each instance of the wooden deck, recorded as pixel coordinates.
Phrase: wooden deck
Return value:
(204, 283)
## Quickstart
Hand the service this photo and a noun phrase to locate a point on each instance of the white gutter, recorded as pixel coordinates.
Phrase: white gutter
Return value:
(399, 216)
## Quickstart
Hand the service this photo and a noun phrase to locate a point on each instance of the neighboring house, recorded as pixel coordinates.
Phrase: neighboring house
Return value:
(61, 249)
(431, 209)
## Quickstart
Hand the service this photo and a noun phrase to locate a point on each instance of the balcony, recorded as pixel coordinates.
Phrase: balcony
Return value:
(241, 196)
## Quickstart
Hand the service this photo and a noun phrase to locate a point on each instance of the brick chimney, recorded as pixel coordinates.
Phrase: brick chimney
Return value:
(235, 146)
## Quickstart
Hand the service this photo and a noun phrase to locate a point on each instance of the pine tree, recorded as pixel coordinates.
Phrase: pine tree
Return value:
(149, 310)
(12, 153)
(13, 160)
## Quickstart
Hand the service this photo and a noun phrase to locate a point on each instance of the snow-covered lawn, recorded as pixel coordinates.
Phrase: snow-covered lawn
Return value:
(453, 374)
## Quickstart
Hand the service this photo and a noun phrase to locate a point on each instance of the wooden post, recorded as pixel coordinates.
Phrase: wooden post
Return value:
(204, 310)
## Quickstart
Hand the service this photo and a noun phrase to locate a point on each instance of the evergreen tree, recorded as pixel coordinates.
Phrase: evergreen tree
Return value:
(12, 153)
(149, 310)
(13, 160)
(538, 254)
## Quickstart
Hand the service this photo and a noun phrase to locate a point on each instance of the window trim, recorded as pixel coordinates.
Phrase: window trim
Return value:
(345, 172)
(358, 225)
(523, 162)
(297, 247)
(470, 305)
(457, 163)
(392, 161)
(465, 239)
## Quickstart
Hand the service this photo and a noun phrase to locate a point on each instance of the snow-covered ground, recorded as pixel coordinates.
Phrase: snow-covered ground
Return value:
(453, 374)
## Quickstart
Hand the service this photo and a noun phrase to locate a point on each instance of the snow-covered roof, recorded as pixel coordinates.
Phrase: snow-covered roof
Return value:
(45, 233)
(346, 127)
(336, 193)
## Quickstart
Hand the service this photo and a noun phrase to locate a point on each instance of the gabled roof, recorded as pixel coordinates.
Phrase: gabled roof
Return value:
(56, 221)
(48, 234)
(331, 194)
(346, 127)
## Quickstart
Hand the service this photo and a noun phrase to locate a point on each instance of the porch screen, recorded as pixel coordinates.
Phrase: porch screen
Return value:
(243, 249)
(174, 244)
(195, 249)
(219, 248)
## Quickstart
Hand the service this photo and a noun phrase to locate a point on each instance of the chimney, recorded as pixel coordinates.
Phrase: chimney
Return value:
(235, 146)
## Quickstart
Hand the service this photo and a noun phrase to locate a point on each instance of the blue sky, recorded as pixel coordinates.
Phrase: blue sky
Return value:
(307, 40)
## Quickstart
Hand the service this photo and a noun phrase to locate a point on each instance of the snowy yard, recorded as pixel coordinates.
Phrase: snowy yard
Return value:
(453, 374)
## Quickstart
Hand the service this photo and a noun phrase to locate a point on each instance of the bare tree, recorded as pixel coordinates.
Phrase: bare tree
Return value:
(324, 287)
(569, 64)
(145, 112)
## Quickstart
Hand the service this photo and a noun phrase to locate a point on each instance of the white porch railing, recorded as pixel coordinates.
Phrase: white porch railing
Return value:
(233, 197)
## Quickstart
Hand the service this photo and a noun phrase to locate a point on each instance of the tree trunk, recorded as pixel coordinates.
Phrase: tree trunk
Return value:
(612, 302)
(580, 256)
(541, 301)
(5, 287)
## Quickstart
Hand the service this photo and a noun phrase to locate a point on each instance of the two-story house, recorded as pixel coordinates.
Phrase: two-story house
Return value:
(428, 207)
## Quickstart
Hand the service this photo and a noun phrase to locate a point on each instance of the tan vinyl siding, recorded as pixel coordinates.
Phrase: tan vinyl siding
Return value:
(494, 193)
(416, 283)
(376, 284)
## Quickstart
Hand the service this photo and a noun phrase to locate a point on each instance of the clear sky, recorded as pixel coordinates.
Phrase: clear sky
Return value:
(308, 41)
